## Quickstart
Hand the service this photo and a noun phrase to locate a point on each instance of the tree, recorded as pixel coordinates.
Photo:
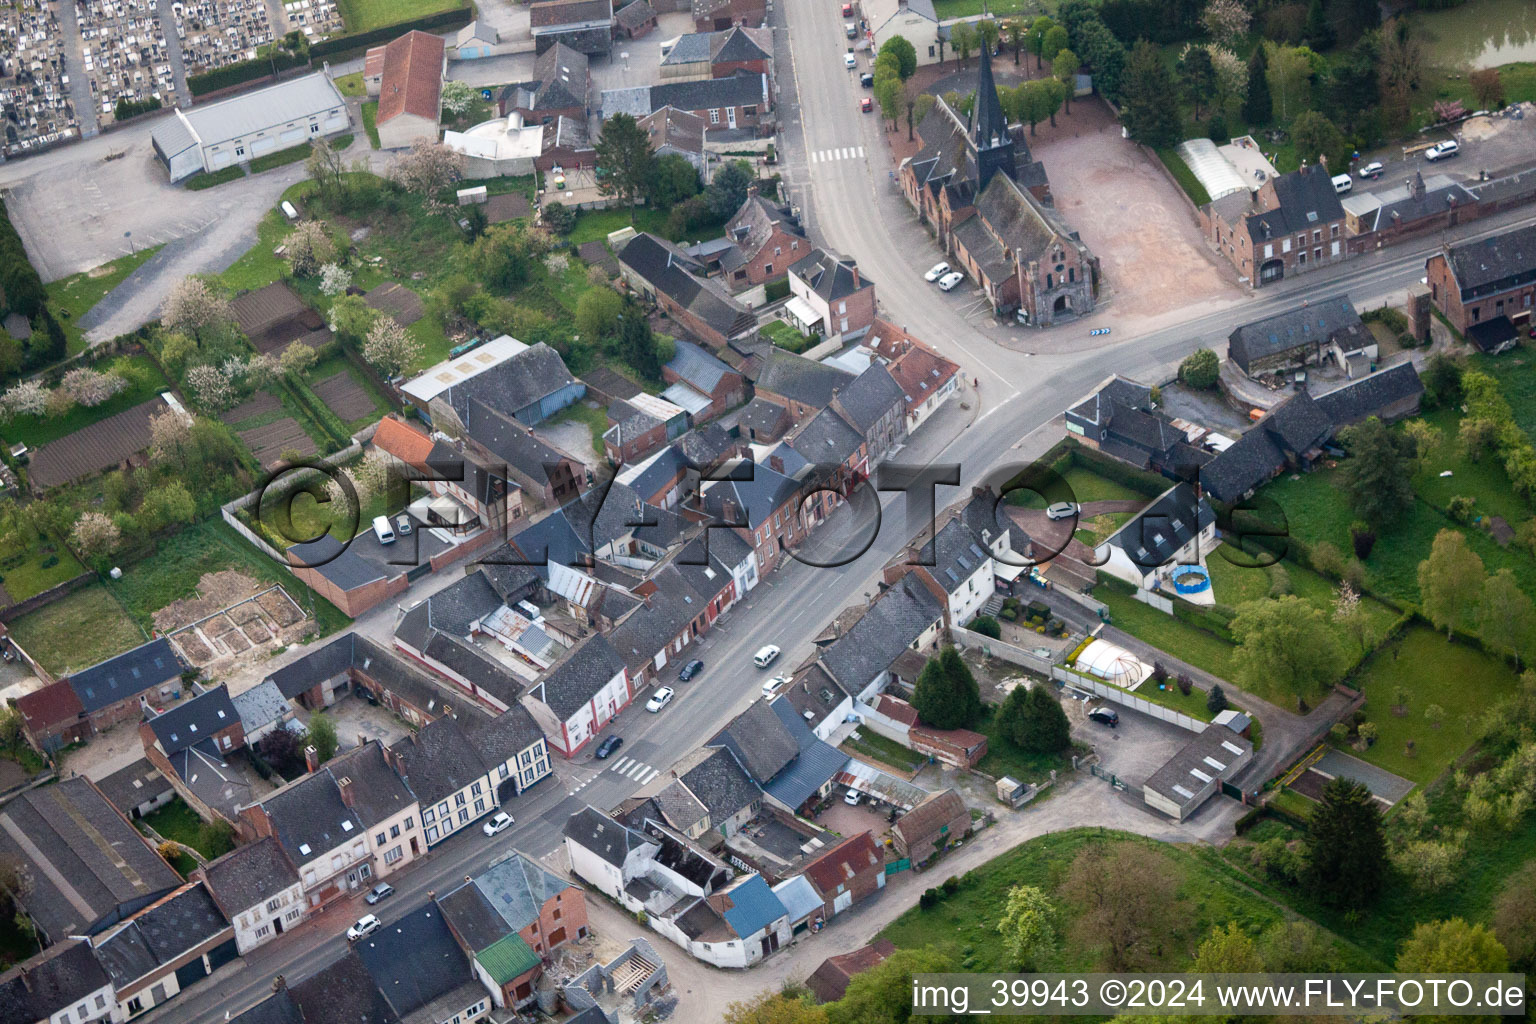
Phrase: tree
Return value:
(1200, 369)
(167, 505)
(1347, 850)
(883, 994)
(1198, 74)
(28, 398)
(774, 1008)
(1450, 582)
(1352, 18)
(297, 359)
(91, 387)
(946, 695)
(1488, 87)
(1290, 78)
(170, 437)
(95, 534)
(1148, 108)
(1027, 926)
(1124, 903)
(1036, 101)
(1453, 946)
(1427, 440)
(638, 344)
(192, 308)
(1054, 42)
(1377, 475)
(890, 95)
(1506, 621)
(1064, 69)
(597, 313)
(624, 152)
(729, 189)
(334, 279)
(963, 38)
(1256, 106)
(507, 254)
(210, 388)
(673, 180)
(1351, 618)
(1226, 20)
(1319, 31)
(389, 349)
(905, 53)
(326, 167)
(1032, 720)
(1216, 700)
(1285, 641)
(282, 750)
(1102, 52)
(1231, 85)
(911, 97)
(1227, 951)
(1317, 137)
(309, 247)
(1016, 32)
(458, 97)
(1034, 38)
(1514, 917)
(321, 734)
(427, 169)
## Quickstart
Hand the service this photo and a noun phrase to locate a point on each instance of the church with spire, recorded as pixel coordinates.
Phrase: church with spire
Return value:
(976, 186)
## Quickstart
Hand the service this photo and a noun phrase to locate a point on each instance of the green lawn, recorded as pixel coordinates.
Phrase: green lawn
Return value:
(72, 297)
(370, 112)
(1003, 758)
(145, 381)
(597, 225)
(965, 924)
(351, 85)
(258, 267)
(1458, 677)
(208, 179)
(595, 419)
(30, 576)
(1188, 643)
(1484, 480)
(872, 744)
(363, 15)
(77, 631)
(181, 560)
(975, 8)
(786, 337)
(176, 821)
(267, 161)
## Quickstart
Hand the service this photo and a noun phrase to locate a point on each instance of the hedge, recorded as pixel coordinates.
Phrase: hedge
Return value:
(458, 17)
(776, 290)
(208, 179)
(323, 416)
(292, 154)
(24, 292)
(244, 71)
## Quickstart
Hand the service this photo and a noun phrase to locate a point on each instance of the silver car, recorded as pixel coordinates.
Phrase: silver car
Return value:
(949, 280)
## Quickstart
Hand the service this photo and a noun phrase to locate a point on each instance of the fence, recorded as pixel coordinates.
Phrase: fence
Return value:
(47, 597)
(1162, 604)
(1076, 679)
(1043, 664)
(228, 509)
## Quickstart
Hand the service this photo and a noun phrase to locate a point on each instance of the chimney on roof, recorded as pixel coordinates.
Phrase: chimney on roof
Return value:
(855, 268)
(311, 759)
(776, 463)
(752, 190)
(1416, 186)
(348, 796)
(362, 740)
(1322, 158)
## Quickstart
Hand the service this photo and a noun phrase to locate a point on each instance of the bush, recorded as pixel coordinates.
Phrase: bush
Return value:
(1200, 369)
(929, 899)
(775, 290)
(986, 625)
(1186, 684)
(951, 885)
(1279, 580)
(458, 17)
(1460, 508)
(1363, 539)
(127, 108)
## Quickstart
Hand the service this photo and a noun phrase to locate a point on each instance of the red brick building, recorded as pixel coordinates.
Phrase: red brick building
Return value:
(1477, 283)
(849, 873)
(1293, 224)
(767, 240)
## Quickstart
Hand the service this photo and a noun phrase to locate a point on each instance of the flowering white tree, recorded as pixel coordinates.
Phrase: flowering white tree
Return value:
(95, 534)
(233, 368)
(210, 388)
(261, 370)
(1226, 20)
(29, 398)
(91, 387)
(193, 308)
(428, 168)
(557, 263)
(297, 358)
(309, 247)
(388, 347)
(1231, 74)
(170, 436)
(334, 279)
(458, 97)
(371, 474)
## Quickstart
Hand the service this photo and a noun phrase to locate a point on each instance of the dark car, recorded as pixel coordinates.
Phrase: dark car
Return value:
(1104, 716)
(867, 80)
(690, 670)
(608, 746)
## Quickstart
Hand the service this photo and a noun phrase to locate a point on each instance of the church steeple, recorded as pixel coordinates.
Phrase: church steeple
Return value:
(989, 129)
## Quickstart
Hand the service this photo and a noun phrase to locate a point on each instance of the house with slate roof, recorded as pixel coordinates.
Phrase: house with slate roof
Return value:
(711, 783)
(547, 474)
(662, 273)
(559, 88)
(513, 906)
(584, 25)
(774, 742)
(1178, 528)
(740, 102)
(906, 617)
(765, 240)
(65, 979)
(763, 511)
(137, 789)
(696, 377)
(422, 973)
(829, 296)
(84, 865)
(803, 386)
(1303, 336)
(530, 386)
(263, 710)
(1374, 219)
(165, 947)
(635, 19)
(1294, 223)
(341, 992)
(439, 633)
(191, 742)
(1478, 282)
(112, 691)
(580, 695)
(678, 132)
(258, 889)
(1119, 419)
(873, 404)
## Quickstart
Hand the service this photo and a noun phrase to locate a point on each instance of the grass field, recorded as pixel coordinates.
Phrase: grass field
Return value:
(258, 268)
(77, 631)
(30, 576)
(595, 419)
(871, 744)
(1165, 632)
(178, 822)
(144, 382)
(370, 111)
(965, 923)
(351, 85)
(1461, 679)
(1484, 480)
(1003, 758)
(597, 225)
(786, 337)
(363, 15)
(72, 297)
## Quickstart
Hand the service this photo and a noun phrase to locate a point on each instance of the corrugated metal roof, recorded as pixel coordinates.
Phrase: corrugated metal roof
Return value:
(261, 109)
(507, 959)
(755, 907)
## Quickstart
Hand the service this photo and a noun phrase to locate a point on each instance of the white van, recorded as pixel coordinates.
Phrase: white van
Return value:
(289, 211)
(765, 656)
(1342, 183)
(382, 530)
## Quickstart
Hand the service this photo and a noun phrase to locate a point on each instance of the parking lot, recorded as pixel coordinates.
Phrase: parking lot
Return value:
(1132, 751)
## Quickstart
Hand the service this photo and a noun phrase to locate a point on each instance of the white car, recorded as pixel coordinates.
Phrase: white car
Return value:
(852, 797)
(771, 687)
(660, 699)
(850, 61)
(937, 271)
(1062, 510)
(498, 824)
(1371, 170)
(949, 280)
(1441, 150)
(366, 925)
(766, 656)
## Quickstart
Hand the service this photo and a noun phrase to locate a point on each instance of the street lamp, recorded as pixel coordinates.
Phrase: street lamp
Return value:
(129, 235)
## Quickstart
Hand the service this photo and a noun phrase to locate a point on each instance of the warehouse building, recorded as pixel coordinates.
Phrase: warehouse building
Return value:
(236, 130)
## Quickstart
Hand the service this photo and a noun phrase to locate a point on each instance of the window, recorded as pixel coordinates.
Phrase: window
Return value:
(393, 855)
(428, 816)
(480, 806)
(463, 816)
(1050, 282)
(432, 834)
(272, 906)
(442, 809)
(1285, 246)
(1317, 254)
(410, 823)
(239, 151)
(394, 831)
(101, 1002)
(778, 250)
(1301, 258)
(714, 116)
(750, 111)
(135, 1005)
(1269, 250)
(842, 307)
(1071, 274)
(292, 915)
(314, 129)
(556, 914)
(263, 931)
(1333, 232)
(503, 770)
(931, 53)
(380, 839)
(476, 788)
(768, 268)
(1317, 236)
(459, 799)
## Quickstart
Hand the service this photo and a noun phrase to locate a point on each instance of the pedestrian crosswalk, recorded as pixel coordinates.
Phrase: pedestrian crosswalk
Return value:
(638, 771)
(845, 153)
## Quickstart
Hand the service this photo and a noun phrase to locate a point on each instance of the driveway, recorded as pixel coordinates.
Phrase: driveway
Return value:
(1134, 750)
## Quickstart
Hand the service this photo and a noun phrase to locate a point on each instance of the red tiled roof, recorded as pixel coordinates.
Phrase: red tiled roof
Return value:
(896, 708)
(373, 62)
(52, 705)
(403, 441)
(917, 366)
(924, 820)
(413, 77)
(839, 865)
(830, 980)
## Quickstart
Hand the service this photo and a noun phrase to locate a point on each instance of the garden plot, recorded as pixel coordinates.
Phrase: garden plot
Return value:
(231, 614)
(270, 442)
(345, 396)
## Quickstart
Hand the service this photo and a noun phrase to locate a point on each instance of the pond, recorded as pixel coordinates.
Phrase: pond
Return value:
(1479, 34)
